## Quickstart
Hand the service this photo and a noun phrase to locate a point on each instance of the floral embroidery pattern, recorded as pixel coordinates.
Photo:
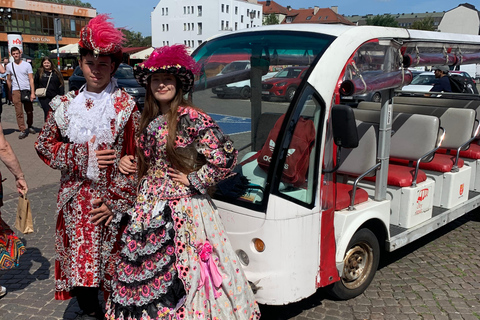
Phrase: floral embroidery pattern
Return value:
(89, 104)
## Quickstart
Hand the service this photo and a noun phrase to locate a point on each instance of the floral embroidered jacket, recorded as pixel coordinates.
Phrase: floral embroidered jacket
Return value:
(198, 132)
(84, 252)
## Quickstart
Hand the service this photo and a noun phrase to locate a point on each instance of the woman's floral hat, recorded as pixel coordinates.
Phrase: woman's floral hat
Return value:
(169, 59)
(101, 36)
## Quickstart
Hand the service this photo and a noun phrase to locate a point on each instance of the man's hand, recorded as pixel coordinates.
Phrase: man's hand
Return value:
(127, 164)
(105, 157)
(100, 214)
(32, 95)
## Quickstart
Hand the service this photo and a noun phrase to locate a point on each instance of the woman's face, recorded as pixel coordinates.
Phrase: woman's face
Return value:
(164, 87)
(47, 65)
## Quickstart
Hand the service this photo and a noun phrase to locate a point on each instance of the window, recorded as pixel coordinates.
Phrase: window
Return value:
(309, 17)
(184, 10)
(222, 25)
(320, 18)
(199, 42)
(236, 25)
(163, 27)
(226, 25)
(166, 11)
(188, 10)
(289, 20)
(326, 17)
(192, 9)
(223, 8)
(248, 12)
(199, 28)
(241, 18)
(236, 10)
(184, 27)
(227, 7)
(258, 14)
(163, 11)
(199, 11)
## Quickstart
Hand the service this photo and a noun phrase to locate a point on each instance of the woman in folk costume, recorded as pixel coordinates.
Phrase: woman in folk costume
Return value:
(176, 261)
(85, 135)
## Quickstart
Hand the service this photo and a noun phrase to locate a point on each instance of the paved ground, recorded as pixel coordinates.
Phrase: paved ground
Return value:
(435, 278)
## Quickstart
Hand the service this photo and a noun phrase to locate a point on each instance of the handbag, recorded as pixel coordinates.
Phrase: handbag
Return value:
(24, 94)
(24, 221)
(42, 92)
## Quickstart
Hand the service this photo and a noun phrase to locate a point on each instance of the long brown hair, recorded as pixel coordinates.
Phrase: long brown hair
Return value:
(41, 70)
(150, 112)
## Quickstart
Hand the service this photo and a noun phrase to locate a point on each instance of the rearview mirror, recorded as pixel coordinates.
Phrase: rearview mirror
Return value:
(345, 133)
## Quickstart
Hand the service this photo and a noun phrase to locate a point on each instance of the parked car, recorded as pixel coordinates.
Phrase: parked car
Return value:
(125, 80)
(424, 81)
(283, 84)
(239, 88)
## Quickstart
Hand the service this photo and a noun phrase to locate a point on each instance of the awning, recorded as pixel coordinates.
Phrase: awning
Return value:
(69, 48)
(142, 55)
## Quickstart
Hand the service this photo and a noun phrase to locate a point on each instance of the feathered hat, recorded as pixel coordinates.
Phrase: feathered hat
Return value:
(101, 36)
(169, 59)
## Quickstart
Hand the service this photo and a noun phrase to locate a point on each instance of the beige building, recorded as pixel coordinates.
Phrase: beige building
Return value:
(34, 20)
(463, 19)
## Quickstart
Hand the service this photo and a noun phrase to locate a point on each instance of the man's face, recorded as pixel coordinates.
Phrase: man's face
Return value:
(97, 71)
(16, 55)
(438, 73)
(5, 60)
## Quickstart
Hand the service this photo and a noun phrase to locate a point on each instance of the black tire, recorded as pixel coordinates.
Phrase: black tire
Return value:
(290, 93)
(221, 95)
(360, 264)
(376, 97)
(245, 93)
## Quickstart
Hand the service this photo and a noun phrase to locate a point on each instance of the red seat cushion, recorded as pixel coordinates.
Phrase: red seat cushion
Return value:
(401, 176)
(440, 163)
(473, 152)
(344, 196)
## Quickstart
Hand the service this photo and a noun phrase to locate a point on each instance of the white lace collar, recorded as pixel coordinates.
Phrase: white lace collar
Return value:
(90, 114)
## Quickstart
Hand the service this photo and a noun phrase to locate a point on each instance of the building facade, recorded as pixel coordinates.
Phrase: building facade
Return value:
(405, 20)
(34, 21)
(190, 22)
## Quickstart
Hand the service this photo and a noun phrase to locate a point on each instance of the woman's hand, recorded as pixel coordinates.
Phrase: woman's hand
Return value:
(101, 213)
(178, 176)
(127, 164)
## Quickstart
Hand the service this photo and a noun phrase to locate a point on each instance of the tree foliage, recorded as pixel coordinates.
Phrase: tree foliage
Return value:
(424, 24)
(72, 3)
(135, 39)
(382, 20)
(271, 19)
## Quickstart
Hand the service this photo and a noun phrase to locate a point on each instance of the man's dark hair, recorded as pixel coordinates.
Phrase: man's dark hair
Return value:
(14, 49)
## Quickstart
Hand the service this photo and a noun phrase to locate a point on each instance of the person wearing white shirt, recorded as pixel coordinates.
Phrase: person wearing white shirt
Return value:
(20, 77)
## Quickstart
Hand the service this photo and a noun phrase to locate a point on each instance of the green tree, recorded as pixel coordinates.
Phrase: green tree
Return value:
(39, 54)
(271, 19)
(424, 24)
(135, 39)
(72, 2)
(384, 20)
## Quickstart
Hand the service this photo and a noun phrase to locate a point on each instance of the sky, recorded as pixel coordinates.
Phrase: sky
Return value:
(136, 17)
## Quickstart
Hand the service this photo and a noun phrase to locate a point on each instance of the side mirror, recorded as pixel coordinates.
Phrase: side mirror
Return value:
(345, 133)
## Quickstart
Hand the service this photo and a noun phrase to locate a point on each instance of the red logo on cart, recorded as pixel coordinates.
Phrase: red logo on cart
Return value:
(422, 194)
(462, 186)
(16, 41)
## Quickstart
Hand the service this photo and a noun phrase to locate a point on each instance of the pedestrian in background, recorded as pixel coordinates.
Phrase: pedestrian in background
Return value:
(11, 248)
(3, 76)
(48, 77)
(20, 77)
(176, 262)
(84, 137)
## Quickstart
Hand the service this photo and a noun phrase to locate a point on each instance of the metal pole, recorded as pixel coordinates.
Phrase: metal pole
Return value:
(384, 134)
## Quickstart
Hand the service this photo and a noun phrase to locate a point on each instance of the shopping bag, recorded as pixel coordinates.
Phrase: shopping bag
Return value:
(24, 221)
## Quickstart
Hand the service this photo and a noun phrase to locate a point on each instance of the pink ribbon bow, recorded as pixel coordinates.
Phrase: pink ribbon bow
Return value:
(208, 270)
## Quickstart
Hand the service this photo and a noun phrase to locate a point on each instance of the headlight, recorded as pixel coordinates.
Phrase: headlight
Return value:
(280, 84)
(131, 90)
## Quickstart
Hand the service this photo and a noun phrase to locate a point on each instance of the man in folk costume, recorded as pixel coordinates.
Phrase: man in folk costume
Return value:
(85, 135)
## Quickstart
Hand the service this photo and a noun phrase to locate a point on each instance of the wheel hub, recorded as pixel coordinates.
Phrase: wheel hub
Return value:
(357, 263)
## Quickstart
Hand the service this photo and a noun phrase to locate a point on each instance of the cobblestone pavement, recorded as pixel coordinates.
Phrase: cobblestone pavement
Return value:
(436, 278)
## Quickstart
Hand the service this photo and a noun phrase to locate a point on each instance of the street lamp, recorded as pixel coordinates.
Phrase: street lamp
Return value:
(252, 16)
(5, 15)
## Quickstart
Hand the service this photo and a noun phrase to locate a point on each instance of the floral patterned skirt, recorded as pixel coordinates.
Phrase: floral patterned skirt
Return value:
(177, 263)
(11, 248)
